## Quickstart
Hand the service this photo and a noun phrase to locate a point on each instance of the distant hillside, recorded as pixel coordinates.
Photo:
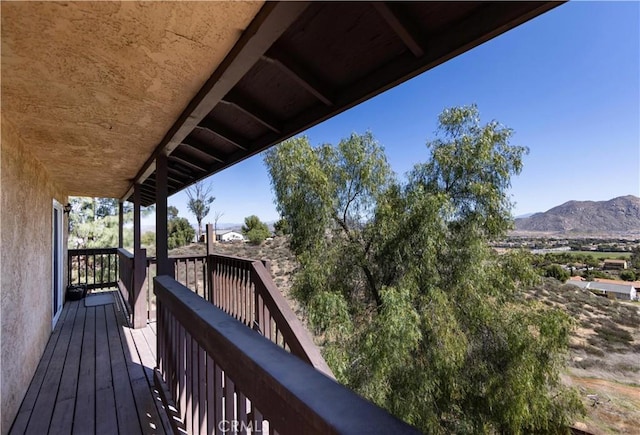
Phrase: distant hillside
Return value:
(617, 215)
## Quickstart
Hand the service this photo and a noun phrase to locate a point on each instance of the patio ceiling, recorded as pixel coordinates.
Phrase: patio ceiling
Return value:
(91, 88)
(124, 101)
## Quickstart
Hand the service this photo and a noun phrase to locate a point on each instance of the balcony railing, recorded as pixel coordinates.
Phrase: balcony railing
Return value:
(221, 376)
(93, 268)
(244, 289)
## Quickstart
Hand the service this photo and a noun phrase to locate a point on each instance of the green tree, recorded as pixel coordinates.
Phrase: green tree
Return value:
(179, 230)
(93, 223)
(199, 203)
(635, 257)
(556, 271)
(417, 312)
(148, 239)
(628, 275)
(591, 262)
(281, 227)
(255, 230)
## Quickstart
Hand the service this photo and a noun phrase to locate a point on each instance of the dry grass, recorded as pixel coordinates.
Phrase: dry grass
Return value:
(604, 356)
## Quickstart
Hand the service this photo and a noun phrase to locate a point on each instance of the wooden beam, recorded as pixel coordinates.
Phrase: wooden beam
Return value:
(185, 161)
(481, 26)
(224, 133)
(269, 24)
(120, 224)
(139, 308)
(399, 28)
(162, 248)
(197, 145)
(299, 73)
(246, 106)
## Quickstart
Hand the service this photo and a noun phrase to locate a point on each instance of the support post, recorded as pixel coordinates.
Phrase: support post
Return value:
(162, 249)
(139, 298)
(210, 240)
(120, 224)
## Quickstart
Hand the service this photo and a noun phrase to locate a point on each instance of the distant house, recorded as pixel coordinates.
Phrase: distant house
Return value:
(229, 236)
(619, 291)
(615, 264)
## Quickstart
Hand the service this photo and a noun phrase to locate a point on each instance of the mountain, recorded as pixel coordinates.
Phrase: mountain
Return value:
(618, 215)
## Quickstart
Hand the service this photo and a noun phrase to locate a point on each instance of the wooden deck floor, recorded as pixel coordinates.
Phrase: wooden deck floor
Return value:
(95, 376)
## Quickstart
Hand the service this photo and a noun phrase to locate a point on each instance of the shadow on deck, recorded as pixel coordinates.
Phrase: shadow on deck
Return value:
(95, 376)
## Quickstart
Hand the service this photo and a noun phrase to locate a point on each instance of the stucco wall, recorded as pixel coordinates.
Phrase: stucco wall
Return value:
(25, 234)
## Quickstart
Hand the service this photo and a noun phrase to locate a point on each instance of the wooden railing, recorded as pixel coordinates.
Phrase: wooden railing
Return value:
(189, 270)
(244, 289)
(95, 268)
(125, 278)
(130, 284)
(221, 377)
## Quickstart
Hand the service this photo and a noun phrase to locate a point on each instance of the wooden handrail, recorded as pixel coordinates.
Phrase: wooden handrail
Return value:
(125, 278)
(295, 334)
(94, 268)
(205, 356)
(244, 289)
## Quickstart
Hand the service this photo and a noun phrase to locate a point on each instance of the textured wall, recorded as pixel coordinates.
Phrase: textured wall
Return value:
(94, 86)
(25, 234)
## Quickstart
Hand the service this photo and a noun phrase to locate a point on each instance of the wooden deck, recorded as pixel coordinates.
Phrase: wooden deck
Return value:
(95, 376)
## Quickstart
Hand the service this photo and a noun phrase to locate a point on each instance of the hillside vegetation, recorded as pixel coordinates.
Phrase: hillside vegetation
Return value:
(603, 363)
(604, 359)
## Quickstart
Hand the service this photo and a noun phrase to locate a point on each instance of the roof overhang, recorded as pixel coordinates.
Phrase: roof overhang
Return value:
(229, 96)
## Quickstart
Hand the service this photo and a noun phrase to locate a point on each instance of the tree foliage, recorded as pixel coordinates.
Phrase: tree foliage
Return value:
(199, 203)
(628, 275)
(93, 223)
(179, 230)
(281, 227)
(255, 230)
(634, 261)
(556, 271)
(418, 314)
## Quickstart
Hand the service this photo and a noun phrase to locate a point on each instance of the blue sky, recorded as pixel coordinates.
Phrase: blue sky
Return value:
(567, 82)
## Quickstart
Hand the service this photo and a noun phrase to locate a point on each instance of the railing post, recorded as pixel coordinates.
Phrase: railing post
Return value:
(208, 263)
(139, 307)
(139, 299)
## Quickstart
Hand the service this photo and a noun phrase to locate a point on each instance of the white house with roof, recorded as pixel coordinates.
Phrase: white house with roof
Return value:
(621, 291)
(229, 236)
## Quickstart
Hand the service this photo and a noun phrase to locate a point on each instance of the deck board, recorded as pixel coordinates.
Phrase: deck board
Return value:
(105, 401)
(62, 420)
(127, 415)
(24, 413)
(84, 416)
(95, 376)
(42, 409)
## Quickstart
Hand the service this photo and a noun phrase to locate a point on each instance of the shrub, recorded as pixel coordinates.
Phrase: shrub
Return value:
(613, 334)
(255, 230)
(556, 271)
(148, 238)
(628, 275)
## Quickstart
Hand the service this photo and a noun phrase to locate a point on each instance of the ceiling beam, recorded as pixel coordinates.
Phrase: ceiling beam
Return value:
(268, 25)
(185, 161)
(394, 21)
(224, 133)
(180, 172)
(299, 73)
(197, 145)
(460, 37)
(246, 106)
